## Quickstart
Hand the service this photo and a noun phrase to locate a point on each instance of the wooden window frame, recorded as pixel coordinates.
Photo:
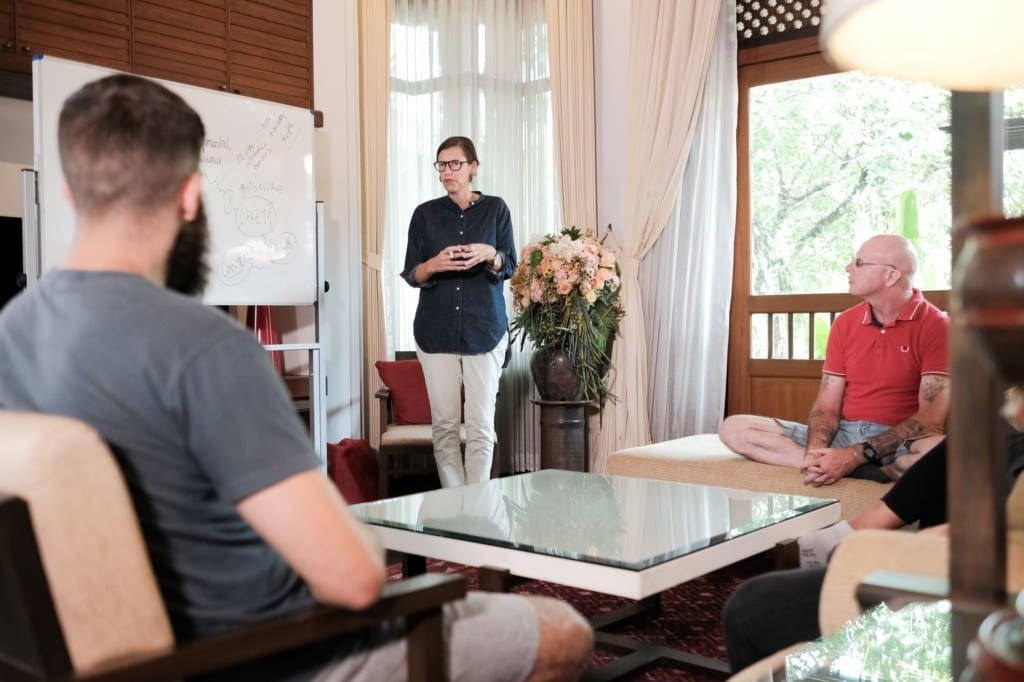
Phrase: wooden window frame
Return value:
(775, 63)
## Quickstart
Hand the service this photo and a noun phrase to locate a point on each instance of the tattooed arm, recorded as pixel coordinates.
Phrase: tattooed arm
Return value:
(823, 421)
(929, 420)
(824, 418)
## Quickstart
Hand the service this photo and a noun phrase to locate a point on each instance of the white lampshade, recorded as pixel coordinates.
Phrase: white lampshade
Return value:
(971, 45)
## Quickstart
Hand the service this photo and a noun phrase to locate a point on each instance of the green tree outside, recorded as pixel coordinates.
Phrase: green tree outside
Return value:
(836, 159)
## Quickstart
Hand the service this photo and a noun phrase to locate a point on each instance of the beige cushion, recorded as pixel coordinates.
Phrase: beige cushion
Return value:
(867, 551)
(705, 460)
(412, 434)
(92, 550)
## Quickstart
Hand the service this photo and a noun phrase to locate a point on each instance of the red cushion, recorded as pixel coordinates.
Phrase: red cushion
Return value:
(353, 468)
(409, 401)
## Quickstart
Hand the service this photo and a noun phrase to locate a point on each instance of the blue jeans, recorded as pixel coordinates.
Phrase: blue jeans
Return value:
(848, 434)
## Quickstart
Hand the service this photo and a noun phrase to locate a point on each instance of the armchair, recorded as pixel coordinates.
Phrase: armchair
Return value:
(862, 558)
(859, 555)
(78, 598)
(407, 449)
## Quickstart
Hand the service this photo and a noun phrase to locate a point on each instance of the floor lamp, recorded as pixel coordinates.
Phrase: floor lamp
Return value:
(971, 48)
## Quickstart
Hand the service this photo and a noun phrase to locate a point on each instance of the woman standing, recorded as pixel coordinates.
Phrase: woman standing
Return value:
(460, 252)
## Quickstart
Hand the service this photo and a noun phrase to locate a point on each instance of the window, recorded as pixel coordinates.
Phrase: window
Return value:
(840, 157)
(827, 159)
(470, 68)
(834, 159)
(1013, 156)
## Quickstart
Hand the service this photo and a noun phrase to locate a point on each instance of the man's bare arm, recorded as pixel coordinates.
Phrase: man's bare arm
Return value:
(929, 420)
(304, 518)
(823, 422)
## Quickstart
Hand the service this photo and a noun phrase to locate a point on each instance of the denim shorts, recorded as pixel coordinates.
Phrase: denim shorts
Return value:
(848, 434)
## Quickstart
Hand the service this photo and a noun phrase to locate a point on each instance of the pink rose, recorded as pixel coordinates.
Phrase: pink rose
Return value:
(536, 291)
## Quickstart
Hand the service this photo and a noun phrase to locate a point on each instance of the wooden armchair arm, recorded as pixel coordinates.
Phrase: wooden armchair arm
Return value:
(383, 394)
(40, 651)
(418, 600)
(897, 589)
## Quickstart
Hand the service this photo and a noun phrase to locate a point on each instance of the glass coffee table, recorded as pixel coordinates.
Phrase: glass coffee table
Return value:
(627, 537)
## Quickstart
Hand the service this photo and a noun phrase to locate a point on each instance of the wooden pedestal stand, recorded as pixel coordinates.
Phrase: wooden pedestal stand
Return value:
(563, 434)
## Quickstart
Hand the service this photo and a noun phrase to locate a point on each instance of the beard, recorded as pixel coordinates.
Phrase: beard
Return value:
(187, 268)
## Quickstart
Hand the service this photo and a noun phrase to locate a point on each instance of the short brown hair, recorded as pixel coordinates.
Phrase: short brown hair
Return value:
(125, 140)
(463, 143)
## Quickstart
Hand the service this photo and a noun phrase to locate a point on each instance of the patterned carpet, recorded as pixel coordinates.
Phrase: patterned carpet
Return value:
(690, 617)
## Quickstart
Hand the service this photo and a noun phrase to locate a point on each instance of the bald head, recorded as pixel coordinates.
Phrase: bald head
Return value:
(894, 250)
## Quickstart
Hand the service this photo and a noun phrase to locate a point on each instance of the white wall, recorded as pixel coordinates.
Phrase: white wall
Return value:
(16, 138)
(611, 73)
(15, 152)
(337, 162)
(10, 189)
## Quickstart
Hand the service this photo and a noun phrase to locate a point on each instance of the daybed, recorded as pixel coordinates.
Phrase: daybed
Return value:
(705, 460)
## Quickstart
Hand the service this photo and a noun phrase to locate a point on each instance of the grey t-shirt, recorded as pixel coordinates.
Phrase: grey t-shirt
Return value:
(196, 416)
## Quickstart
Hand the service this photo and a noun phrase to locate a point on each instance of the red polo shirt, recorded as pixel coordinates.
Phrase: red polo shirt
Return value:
(883, 365)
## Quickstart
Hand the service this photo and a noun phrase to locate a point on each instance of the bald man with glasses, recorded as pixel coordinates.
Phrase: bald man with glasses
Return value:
(884, 390)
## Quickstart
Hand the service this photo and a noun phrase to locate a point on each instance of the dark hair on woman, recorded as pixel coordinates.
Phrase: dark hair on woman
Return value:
(125, 140)
(463, 143)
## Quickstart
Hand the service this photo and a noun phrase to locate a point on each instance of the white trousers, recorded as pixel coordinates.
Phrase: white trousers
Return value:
(446, 374)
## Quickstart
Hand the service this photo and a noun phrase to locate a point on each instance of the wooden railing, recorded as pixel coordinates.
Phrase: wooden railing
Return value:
(791, 319)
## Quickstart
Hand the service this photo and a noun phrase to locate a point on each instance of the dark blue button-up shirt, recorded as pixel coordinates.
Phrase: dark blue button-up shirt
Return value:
(460, 312)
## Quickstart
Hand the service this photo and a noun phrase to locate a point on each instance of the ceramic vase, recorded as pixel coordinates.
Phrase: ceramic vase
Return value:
(988, 285)
(555, 376)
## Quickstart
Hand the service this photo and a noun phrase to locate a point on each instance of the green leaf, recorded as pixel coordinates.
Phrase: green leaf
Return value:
(821, 330)
(906, 215)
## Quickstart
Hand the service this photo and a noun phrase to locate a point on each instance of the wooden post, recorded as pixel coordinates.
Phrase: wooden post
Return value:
(977, 457)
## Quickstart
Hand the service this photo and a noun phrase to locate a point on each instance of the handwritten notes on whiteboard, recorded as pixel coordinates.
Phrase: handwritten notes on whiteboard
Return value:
(257, 167)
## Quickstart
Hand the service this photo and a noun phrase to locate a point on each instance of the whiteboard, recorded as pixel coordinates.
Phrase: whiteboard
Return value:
(257, 167)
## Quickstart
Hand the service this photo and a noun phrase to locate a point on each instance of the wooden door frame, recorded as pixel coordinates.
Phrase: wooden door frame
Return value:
(758, 66)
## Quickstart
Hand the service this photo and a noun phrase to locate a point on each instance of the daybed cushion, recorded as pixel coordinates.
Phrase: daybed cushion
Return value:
(413, 434)
(705, 460)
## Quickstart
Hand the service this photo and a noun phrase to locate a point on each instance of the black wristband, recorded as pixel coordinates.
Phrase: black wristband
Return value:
(870, 454)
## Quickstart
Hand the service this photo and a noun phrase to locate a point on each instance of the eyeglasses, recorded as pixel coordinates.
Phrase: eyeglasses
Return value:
(857, 262)
(452, 165)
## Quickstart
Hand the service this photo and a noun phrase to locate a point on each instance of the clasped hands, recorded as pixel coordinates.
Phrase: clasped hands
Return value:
(825, 466)
(463, 257)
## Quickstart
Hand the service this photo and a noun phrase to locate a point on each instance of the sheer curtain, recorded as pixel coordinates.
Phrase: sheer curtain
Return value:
(685, 278)
(374, 23)
(477, 68)
(669, 52)
(571, 48)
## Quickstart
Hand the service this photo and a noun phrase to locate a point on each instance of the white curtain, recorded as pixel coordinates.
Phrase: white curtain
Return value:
(571, 49)
(684, 280)
(669, 52)
(477, 68)
(374, 28)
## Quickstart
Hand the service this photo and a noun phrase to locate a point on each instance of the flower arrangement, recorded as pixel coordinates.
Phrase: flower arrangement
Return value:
(566, 297)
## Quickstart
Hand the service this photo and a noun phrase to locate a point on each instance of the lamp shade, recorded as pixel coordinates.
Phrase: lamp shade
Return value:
(955, 44)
